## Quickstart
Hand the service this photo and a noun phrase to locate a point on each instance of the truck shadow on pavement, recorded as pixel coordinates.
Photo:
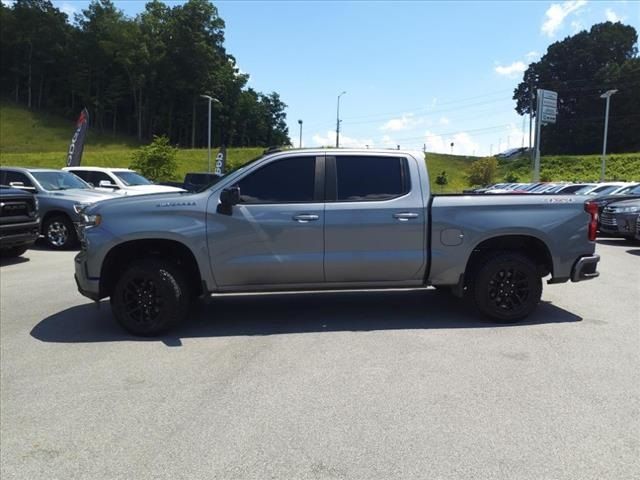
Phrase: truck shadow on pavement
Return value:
(250, 315)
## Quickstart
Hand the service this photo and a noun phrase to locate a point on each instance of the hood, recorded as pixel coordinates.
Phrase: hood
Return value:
(80, 195)
(153, 189)
(14, 192)
(144, 201)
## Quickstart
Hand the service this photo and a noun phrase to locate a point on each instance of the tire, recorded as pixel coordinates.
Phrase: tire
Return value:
(497, 295)
(13, 252)
(59, 233)
(150, 297)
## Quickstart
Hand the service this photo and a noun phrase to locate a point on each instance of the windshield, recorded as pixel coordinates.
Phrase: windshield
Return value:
(584, 190)
(604, 189)
(630, 190)
(233, 170)
(59, 181)
(132, 179)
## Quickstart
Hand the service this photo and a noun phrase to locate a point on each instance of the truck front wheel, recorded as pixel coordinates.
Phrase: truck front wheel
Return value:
(506, 287)
(150, 297)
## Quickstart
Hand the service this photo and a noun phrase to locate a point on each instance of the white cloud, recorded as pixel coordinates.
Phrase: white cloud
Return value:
(511, 70)
(405, 122)
(69, 9)
(444, 121)
(462, 143)
(556, 14)
(532, 55)
(329, 140)
(612, 16)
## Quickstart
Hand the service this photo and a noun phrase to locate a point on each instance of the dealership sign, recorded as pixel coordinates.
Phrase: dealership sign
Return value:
(548, 106)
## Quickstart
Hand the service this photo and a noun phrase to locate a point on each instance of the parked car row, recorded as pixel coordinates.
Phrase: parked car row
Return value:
(57, 198)
(559, 188)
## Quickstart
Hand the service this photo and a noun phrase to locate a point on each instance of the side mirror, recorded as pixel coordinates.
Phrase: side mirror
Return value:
(107, 184)
(230, 196)
(22, 186)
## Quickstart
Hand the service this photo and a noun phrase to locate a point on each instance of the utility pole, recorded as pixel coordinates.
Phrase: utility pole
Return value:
(338, 122)
(211, 99)
(530, 119)
(607, 97)
(300, 142)
(491, 150)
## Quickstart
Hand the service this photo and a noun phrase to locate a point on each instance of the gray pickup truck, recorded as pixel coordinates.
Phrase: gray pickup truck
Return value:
(329, 219)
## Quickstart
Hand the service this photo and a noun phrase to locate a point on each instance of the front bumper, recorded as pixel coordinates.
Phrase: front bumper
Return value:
(19, 234)
(87, 286)
(585, 268)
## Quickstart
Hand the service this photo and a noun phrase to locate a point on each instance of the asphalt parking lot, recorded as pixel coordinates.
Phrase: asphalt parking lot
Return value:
(321, 386)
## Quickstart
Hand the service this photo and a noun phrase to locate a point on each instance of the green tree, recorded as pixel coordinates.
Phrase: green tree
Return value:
(157, 160)
(442, 180)
(483, 171)
(580, 68)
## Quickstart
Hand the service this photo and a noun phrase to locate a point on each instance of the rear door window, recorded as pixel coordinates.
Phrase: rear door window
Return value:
(369, 178)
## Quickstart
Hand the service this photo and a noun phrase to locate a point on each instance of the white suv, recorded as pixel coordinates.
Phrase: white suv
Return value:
(119, 180)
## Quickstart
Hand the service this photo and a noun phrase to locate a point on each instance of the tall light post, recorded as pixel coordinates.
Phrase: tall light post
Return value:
(338, 122)
(607, 96)
(211, 99)
(300, 142)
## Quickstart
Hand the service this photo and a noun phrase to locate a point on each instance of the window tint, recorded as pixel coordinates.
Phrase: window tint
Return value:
(18, 177)
(370, 178)
(97, 177)
(283, 181)
(83, 174)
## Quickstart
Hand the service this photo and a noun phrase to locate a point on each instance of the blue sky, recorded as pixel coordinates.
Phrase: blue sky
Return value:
(415, 73)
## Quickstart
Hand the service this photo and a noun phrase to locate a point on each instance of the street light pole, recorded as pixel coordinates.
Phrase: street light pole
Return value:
(300, 142)
(211, 99)
(338, 122)
(607, 97)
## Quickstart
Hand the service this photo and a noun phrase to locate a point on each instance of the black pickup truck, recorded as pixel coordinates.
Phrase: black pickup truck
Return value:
(194, 181)
(19, 221)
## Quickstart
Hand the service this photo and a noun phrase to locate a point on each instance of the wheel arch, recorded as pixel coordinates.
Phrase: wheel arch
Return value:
(53, 213)
(124, 253)
(528, 245)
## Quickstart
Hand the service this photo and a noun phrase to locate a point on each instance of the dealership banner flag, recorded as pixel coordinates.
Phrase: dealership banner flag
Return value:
(74, 157)
(221, 161)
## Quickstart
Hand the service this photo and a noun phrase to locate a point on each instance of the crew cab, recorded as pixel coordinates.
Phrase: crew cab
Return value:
(329, 219)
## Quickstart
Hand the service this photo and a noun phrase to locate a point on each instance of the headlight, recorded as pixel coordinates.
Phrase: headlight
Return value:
(79, 207)
(628, 210)
(91, 220)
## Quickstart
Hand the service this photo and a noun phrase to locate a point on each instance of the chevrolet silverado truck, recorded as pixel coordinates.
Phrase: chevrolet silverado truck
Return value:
(301, 220)
(19, 221)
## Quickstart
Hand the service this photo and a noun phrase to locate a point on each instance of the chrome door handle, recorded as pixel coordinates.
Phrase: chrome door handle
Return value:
(305, 217)
(404, 216)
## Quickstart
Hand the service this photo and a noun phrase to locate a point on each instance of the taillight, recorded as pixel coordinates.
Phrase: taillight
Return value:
(592, 209)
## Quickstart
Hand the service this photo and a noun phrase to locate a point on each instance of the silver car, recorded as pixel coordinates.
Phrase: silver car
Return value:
(61, 196)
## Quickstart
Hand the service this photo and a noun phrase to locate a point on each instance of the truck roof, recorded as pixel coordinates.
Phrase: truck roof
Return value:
(99, 169)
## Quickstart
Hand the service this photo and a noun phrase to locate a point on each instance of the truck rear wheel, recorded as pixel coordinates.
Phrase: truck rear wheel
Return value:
(150, 297)
(506, 287)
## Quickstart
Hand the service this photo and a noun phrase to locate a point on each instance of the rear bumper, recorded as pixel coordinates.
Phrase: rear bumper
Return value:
(585, 268)
(19, 234)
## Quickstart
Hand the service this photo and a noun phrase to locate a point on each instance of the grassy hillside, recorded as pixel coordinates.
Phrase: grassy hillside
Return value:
(41, 140)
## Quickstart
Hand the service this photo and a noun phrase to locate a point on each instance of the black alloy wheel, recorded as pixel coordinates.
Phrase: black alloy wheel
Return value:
(506, 287)
(150, 297)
